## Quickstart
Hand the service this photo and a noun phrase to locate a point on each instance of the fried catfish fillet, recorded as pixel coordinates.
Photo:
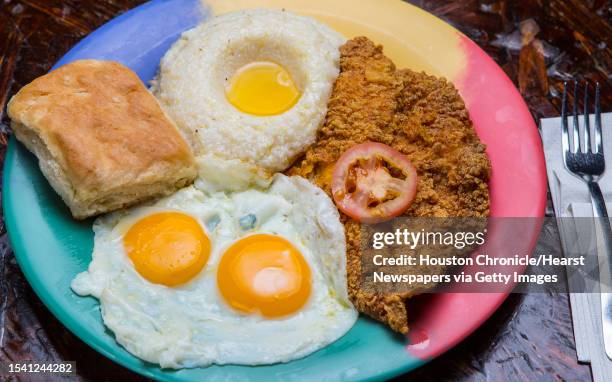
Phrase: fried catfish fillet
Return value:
(419, 115)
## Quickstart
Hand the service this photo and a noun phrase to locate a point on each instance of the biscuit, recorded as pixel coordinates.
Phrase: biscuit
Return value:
(101, 139)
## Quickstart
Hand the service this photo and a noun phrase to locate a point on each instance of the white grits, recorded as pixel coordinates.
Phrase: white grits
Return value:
(194, 74)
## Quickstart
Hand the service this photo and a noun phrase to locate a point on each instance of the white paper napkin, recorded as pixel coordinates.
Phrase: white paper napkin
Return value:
(571, 198)
(590, 325)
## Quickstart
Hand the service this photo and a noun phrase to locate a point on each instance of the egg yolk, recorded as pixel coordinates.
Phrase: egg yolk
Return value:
(262, 88)
(167, 248)
(264, 274)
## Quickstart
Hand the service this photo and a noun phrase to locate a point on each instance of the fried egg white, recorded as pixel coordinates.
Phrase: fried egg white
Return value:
(251, 85)
(200, 313)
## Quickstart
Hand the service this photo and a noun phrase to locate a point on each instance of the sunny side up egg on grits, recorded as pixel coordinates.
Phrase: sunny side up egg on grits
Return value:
(251, 85)
(243, 277)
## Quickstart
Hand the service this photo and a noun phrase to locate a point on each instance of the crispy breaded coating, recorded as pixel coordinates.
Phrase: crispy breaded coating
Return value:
(419, 115)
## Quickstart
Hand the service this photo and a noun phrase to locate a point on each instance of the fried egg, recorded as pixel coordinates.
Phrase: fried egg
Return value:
(251, 85)
(251, 276)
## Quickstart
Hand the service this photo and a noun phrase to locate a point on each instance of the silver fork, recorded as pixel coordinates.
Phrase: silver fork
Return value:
(586, 161)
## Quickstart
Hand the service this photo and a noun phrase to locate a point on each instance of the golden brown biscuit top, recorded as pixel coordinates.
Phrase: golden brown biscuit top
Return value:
(104, 124)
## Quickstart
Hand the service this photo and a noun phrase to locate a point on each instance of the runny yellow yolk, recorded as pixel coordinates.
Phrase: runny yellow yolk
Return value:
(168, 248)
(262, 88)
(264, 274)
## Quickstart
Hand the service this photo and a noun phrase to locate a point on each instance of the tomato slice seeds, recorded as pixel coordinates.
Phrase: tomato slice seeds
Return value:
(373, 182)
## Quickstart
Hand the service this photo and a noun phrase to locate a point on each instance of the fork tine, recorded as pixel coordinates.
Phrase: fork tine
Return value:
(587, 122)
(564, 128)
(598, 135)
(577, 146)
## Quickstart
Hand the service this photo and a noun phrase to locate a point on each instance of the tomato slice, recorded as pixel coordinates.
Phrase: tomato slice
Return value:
(373, 182)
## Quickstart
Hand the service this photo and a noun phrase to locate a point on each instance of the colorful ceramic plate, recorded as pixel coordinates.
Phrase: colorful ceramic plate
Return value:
(52, 248)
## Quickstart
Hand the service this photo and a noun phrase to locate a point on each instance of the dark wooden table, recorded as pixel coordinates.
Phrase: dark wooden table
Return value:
(528, 338)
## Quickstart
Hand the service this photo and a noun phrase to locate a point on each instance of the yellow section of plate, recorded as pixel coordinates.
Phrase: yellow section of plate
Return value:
(411, 37)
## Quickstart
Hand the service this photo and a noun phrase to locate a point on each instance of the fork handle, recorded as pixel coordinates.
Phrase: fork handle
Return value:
(603, 231)
(599, 204)
(602, 223)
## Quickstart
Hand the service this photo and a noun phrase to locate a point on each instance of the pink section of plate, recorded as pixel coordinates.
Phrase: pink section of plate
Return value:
(517, 188)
